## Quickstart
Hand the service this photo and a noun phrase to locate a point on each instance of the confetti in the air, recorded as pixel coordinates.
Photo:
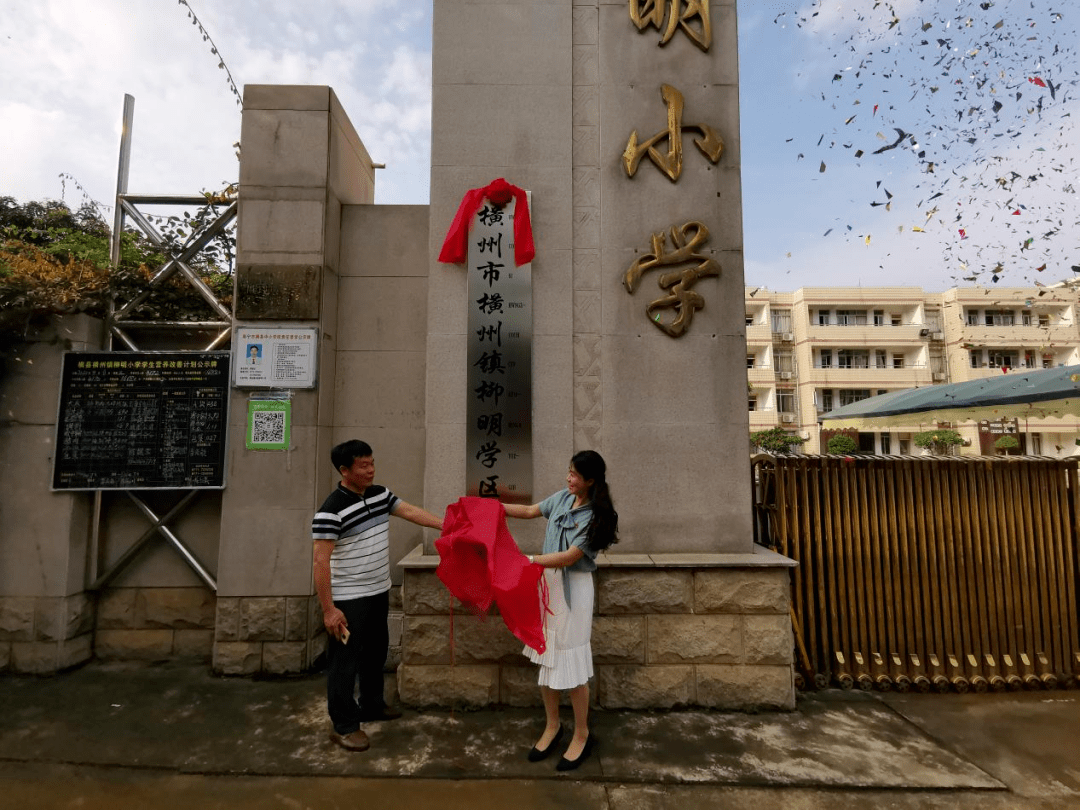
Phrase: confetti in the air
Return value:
(974, 110)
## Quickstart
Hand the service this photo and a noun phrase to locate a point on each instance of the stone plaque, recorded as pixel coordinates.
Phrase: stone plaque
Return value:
(278, 292)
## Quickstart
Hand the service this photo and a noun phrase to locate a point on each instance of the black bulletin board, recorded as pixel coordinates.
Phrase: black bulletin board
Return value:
(142, 420)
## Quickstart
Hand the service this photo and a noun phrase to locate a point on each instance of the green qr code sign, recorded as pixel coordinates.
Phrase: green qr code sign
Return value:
(268, 425)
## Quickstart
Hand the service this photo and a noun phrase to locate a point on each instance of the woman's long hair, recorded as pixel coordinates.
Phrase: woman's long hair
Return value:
(604, 526)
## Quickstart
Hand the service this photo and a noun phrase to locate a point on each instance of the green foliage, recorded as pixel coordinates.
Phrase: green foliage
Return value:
(939, 442)
(776, 440)
(841, 444)
(1007, 442)
(81, 236)
(56, 261)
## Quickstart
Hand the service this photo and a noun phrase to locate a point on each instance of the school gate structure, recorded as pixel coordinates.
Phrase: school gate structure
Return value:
(623, 126)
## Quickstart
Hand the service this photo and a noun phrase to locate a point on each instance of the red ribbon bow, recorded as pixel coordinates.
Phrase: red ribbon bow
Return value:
(455, 247)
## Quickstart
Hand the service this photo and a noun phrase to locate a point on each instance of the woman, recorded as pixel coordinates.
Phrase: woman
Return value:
(581, 522)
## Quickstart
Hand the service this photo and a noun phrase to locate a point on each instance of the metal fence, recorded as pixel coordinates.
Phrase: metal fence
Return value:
(927, 572)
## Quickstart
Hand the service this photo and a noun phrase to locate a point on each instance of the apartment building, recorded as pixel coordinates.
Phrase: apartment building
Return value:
(815, 349)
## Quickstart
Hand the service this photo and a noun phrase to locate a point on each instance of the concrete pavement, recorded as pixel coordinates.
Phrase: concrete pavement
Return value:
(175, 735)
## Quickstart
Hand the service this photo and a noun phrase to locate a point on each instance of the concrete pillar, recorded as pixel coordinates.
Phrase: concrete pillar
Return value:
(508, 115)
(551, 107)
(46, 617)
(302, 160)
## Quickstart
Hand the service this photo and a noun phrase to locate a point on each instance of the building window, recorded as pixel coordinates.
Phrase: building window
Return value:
(823, 317)
(851, 317)
(750, 358)
(999, 317)
(853, 358)
(1003, 359)
(749, 320)
(825, 400)
(1029, 360)
(1025, 318)
(825, 360)
(905, 447)
(897, 320)
(785, 400)
(879, 317)
(879, 358)
(898, 361)
(781, 321)
(785, 362)
(886, 444)
(1048, 361)
(849, 396)
(973, 317)
(1044, 320)
(752, 402)
(976, 358)
(881, 391)
(1035, 444)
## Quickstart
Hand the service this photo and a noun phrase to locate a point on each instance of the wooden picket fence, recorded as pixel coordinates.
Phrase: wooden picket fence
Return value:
(927, 572)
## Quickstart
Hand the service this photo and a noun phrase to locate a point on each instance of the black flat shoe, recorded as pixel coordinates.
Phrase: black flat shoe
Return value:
(572, 764)
(536, 755)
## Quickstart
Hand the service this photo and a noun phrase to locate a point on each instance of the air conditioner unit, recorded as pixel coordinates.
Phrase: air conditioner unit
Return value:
(787, 337)
(787, 418)
(785, 375)
(937, 336)
(939, 376)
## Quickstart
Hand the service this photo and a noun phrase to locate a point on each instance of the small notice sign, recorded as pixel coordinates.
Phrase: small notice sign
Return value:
(275, 357)
(268, 424)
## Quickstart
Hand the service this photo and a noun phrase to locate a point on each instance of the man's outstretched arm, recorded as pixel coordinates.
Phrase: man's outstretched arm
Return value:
(414, 514)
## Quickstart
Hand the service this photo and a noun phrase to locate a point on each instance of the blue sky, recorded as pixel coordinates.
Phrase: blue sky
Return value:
(811, 75)
(960, 78)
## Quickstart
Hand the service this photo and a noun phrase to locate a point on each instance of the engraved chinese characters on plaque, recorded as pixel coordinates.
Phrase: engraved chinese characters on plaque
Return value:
(499, 412)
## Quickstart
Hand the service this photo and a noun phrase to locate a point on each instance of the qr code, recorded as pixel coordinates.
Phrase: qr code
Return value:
(268, 427)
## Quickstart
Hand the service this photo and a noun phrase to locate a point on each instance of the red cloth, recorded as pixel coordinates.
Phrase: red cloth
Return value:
(480, 564)
(455, 247)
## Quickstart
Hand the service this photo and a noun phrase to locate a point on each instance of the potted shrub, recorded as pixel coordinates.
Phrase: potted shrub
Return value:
(941, 442)
(1007, 444)
(842, 445)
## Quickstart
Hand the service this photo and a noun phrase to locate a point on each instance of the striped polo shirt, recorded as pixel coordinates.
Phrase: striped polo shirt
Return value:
(359, 527)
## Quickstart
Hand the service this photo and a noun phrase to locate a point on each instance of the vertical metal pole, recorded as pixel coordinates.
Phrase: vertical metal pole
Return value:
(122, 177)
(123, 169)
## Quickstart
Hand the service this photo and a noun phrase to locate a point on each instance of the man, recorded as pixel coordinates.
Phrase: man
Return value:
(352, 577)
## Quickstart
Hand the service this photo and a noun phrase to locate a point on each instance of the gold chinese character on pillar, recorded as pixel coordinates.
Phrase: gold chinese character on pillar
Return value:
(681, 300)
(692, 16)
(670, 163)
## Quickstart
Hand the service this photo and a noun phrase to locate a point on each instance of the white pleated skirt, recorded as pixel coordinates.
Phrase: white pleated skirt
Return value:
(567, 661)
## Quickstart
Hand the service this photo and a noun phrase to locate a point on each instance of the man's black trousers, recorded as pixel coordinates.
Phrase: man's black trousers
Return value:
(363, 659)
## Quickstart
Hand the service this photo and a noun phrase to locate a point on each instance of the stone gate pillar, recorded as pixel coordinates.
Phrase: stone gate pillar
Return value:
(46, 615)
(624, 125)
(302, 160)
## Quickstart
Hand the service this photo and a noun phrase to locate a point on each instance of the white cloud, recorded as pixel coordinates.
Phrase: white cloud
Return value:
(76, 60)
